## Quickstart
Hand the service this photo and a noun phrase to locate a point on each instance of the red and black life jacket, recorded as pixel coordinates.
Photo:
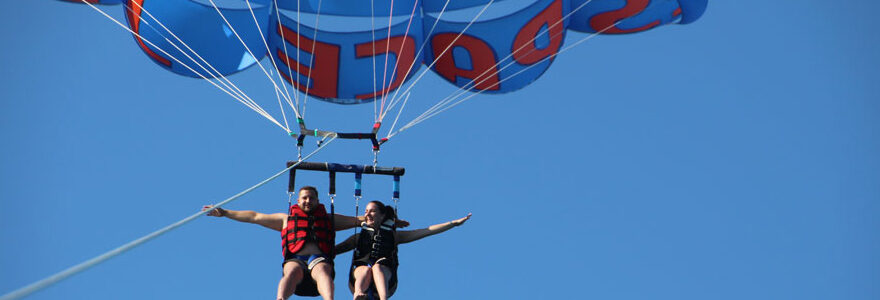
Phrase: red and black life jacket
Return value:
(301, 228)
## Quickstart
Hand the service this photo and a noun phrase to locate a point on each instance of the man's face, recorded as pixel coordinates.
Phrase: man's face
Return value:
(307, 200)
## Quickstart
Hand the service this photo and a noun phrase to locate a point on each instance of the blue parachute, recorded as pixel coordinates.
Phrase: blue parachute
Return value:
(333, 49)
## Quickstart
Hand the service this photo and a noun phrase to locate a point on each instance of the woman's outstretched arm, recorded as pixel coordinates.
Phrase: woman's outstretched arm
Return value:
(414, 235)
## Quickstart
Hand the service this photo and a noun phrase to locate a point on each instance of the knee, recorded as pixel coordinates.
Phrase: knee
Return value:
(322, 270)
(380, 269)
(322, 267)
(292, 271)
(361, 270)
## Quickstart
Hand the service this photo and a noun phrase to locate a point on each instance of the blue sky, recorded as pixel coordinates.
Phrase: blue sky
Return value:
(733, 158)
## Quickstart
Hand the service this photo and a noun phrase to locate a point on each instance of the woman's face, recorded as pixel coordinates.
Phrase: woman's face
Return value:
(373, 214)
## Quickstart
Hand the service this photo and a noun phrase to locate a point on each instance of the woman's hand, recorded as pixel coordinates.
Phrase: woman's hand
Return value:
(461, 221)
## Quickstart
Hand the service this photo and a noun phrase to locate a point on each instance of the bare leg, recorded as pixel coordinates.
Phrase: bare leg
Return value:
(292, 275)
(321, 275)
(381, 275)
(362, 278)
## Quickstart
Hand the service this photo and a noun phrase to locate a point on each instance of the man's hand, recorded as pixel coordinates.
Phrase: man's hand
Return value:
(214, 212)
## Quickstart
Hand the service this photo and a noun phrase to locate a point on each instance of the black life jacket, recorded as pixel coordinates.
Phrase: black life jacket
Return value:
(373, 244)
(301, 228)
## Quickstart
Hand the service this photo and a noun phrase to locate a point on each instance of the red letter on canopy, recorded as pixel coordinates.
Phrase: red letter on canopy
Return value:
(607, 19)
(403, 48)
(524, 50)
(324, 71)
(484, 72)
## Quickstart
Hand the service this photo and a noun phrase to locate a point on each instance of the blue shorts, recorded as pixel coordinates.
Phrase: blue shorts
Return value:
(307, 287)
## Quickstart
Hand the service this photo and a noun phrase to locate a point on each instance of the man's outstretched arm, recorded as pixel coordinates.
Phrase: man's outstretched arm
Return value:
(271, 221)
(342, 222)
(346, 222)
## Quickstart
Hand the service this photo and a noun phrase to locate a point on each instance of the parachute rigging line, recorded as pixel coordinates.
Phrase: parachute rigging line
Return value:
(218, 74)
(231, 28)
(274, 65)
(424, 117)
(314, 38)
(46, 282)
(289, 70)
(430, 112)
(400, 50)
(215, 72)
(405, 100)
(436, 109)
(281, 107)
(387, 47)
(557, 23)
(298, 43)
(411, 65)
(373, 43)
(463, 89)
(385, 90)
(257, 109)
(250, 103)
(448, 47)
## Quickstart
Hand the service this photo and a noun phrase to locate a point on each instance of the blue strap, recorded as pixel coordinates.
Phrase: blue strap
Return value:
(357, 184)
(396, 186)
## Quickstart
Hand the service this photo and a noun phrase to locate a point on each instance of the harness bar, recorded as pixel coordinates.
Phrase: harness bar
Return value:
(304, 132)
(341, 168)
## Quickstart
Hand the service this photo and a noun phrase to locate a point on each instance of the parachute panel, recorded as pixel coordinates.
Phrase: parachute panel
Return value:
(339, 66)
(203, 30)
(496, 54)
(634, 15)
(350, 52)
